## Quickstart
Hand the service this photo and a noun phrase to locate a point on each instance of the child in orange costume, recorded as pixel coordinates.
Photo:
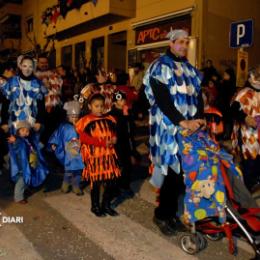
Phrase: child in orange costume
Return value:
(97, 135)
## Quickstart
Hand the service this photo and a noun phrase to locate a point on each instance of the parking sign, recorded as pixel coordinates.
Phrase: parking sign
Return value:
(241, 34)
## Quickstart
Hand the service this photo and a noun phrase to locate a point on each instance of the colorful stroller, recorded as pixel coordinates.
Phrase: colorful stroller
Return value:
(216, 202)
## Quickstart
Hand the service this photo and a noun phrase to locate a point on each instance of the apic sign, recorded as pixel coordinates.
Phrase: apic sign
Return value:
(157, 32)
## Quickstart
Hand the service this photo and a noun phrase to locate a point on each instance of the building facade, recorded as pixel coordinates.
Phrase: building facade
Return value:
(119, 33)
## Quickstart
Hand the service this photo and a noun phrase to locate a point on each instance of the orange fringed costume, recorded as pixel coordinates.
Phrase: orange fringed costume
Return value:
(100, 160)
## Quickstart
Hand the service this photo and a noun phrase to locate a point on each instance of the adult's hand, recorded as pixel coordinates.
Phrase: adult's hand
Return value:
(193, 125)
(250, 121)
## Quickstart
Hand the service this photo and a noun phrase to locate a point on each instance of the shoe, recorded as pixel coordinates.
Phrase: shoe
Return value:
(24, 201)
(167, 227)
(255, 188)
(179, 226)
(97, 211)
(78, 191)
(111, 212)
(65, 187)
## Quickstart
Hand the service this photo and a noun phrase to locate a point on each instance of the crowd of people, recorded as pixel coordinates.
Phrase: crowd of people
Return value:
(86, 119)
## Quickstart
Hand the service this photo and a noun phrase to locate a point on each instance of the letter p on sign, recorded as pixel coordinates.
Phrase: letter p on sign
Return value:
(241, 31)
(241, 34)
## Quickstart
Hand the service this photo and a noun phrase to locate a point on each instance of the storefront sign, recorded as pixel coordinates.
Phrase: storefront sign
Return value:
(157, 32)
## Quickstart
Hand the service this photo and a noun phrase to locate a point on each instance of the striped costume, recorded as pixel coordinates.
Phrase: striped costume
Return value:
(100, 160)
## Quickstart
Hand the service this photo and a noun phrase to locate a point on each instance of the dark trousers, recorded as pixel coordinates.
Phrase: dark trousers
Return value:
(108, 194)
(251, 171)
(173, 186)
(125, 179)
(3, 147)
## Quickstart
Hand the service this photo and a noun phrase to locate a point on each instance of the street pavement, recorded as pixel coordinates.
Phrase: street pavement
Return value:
(61, 226)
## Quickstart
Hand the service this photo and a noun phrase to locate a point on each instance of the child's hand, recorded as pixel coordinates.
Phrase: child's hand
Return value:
(133, 160)
(2, 81)
(53, 147)
(114, 140)
(5, 128)
(11, 139)
(37, 127)
(111, 142)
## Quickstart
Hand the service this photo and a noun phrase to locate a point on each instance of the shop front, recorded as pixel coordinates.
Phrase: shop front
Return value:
(151, 42)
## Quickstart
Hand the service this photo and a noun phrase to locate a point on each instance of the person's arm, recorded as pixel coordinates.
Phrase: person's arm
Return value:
(237, 113)
(200, 107)
(41, 111)
(4, 111)
(87, 139)
(164, 102)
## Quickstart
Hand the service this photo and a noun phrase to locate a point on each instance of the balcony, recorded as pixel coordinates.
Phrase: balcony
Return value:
(9, 7)
(90, 17)
(10, 27)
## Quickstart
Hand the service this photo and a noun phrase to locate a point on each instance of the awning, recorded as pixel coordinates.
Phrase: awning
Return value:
(162, 17)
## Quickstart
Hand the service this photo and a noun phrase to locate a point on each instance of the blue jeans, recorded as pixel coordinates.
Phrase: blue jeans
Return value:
(72, 177)
(19, 189)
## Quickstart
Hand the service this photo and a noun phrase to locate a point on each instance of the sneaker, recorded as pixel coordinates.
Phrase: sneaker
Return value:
(111, 212)
(167, 227)
(78, 191)
(65, 188)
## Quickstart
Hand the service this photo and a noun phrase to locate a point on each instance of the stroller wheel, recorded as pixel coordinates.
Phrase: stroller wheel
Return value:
(202, 240)
(190, 243)
(215, 237)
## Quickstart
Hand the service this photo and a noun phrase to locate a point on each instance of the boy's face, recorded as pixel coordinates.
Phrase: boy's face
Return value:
(96, 107)
(120, 103)
(23, 132)
(73, 119)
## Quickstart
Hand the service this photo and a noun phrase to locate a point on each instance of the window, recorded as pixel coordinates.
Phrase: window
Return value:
(29, 23)
(66, 56)
(80, 55)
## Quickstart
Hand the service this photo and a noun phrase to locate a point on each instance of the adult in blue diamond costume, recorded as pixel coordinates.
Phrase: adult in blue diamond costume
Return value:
(25, 95)
(172, 86)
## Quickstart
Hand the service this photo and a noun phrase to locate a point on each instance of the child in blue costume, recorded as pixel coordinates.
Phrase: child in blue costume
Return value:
(27, 164)
(65, 143)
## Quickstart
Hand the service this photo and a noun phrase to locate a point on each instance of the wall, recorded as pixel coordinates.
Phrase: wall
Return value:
(145, 9)
(218, 20)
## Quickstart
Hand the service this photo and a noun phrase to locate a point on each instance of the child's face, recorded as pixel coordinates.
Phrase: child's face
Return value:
(73, 119)
(23, 132)
(120, 103)
(96, 107)
(211, 84)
